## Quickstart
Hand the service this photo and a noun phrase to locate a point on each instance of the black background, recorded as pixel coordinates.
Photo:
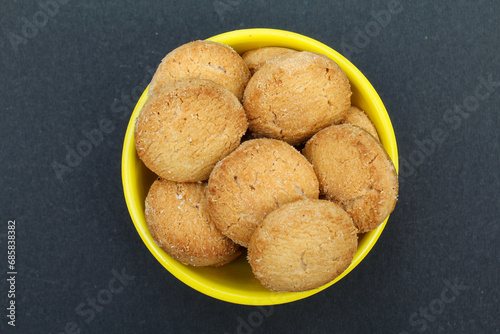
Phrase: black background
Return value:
(59, 80)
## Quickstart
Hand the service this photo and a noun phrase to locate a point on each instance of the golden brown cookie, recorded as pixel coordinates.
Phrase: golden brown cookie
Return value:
(257, 57)
(355, 172)
(302, 245)
(178, 220)
(186, 127)
(255, 179)
(358, 117)
(205, 60)
(295, 95)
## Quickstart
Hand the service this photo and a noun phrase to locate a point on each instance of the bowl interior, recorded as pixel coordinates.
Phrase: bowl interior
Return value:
(235, 282)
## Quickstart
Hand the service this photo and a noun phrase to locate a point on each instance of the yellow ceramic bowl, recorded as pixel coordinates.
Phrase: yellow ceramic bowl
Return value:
(235, 282)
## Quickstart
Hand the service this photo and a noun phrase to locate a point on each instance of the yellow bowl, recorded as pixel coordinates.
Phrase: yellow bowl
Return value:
(235, 282)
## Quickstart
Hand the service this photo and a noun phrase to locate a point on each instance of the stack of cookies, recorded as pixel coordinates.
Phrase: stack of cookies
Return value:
(261, 151)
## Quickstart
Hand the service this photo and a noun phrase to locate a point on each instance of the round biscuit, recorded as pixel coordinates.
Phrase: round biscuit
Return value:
(178, 220)
(186, 127)
(355, 172)
(255, 179)
(302, 245)
(295, 95)
(206, 60)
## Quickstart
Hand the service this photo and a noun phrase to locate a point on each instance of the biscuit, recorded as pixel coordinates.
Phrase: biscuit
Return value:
(355, 172)
(358, 117)
(295, 95)
(178, 220)
(205, 60)
(255, 179)
(302, 245)
(257, 57)
(186, 127)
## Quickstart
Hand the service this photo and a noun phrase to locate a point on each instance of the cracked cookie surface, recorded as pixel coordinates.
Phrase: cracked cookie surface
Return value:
(256, 58)
(178, 220)
(255, 179)
(295, 95)
(302, 245)
(358, 117)
(186, 127)
(355, 172)
(205, 60)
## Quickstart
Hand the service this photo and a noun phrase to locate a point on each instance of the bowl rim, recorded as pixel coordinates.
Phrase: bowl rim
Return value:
(234, 39)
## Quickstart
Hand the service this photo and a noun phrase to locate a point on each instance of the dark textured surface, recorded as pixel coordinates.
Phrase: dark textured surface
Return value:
(74, 233)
